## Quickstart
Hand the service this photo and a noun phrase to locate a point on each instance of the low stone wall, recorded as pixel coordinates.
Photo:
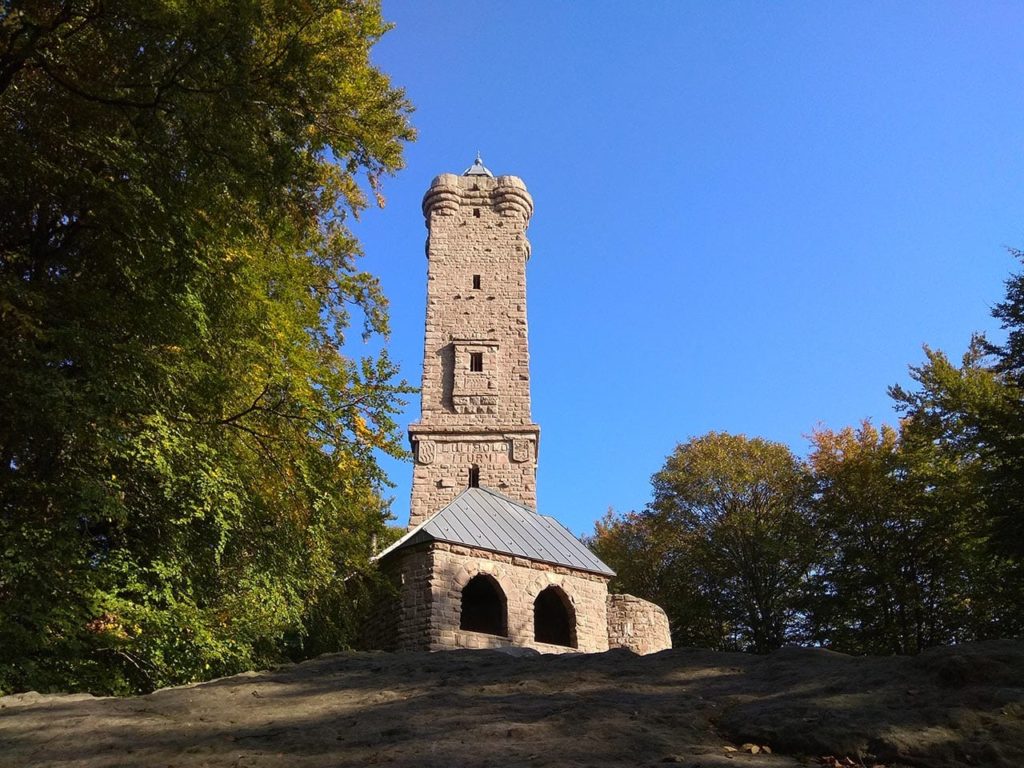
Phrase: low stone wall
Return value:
(637, 624)
(464, 639)
(408, 615)
(381, 617)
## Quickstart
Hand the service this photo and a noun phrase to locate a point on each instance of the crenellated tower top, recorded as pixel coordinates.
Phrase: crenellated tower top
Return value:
(448, 193)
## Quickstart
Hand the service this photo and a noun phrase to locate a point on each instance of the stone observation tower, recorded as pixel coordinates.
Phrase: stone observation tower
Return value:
(475, 428)
(479, 567)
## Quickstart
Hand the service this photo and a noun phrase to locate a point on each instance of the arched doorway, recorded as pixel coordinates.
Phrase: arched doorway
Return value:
(554, 620)
(483, 607)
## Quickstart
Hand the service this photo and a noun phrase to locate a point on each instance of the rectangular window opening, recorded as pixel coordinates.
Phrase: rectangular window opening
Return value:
(474, 476)
(476, 281)
(476, 361)
(476, 212)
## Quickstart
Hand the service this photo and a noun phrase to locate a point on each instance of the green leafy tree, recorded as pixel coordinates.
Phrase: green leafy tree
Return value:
(1001, 424)
(974, 413)
(187, 466)
(902, 565)
(863, 590)
(726, 538)
(958, 436)
(925, 540)
(651, 559)
(965, 426)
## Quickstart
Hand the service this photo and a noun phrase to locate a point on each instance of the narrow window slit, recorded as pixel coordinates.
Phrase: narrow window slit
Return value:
(474, 476)
(476, 281)
(476, 361)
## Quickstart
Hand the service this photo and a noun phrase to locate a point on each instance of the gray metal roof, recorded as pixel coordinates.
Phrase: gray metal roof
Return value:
(482, 518)
(478, 168)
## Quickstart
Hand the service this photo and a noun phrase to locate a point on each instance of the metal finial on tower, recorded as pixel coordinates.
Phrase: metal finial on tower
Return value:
(478, 168)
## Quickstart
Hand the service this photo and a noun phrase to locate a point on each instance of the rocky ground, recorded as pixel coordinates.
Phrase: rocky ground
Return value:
(960, 706)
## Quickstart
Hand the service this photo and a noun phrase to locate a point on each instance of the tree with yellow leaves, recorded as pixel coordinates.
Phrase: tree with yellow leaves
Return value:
(187, 461)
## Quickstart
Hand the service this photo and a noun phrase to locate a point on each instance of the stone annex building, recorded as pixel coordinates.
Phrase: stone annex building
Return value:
(479, 567)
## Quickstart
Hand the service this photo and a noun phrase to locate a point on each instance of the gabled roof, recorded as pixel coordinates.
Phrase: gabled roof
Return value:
(482, 518)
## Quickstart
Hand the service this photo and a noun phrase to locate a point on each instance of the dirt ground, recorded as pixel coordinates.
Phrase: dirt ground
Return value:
(960, 706)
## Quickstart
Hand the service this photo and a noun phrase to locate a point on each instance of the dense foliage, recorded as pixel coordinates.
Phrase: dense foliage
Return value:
(905, 538)
(186, 452)
(905, 562)
(738, 507)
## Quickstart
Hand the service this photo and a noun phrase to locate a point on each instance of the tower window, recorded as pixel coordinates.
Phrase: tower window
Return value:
(476, 212)
(476, 281)
(474, 476)
(476, 361)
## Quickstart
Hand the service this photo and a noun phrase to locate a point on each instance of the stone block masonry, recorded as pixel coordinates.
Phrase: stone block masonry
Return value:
(458, 582)
(475, 412)
(638, 625)
(431, 578)
(443, 461)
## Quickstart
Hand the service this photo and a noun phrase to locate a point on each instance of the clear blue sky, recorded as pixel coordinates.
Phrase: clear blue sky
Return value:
(749, 216)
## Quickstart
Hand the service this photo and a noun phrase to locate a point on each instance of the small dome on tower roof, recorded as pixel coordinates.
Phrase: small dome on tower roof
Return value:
(478, 168)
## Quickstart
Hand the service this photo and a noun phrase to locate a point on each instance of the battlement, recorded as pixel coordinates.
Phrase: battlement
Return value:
(505, 195)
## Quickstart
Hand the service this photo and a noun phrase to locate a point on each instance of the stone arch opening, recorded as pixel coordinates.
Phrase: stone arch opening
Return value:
(554, 619)
(484, 608)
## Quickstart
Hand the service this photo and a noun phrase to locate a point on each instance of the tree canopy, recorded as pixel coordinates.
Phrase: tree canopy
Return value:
(187, 469)
(725, 537)
(883, 540)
